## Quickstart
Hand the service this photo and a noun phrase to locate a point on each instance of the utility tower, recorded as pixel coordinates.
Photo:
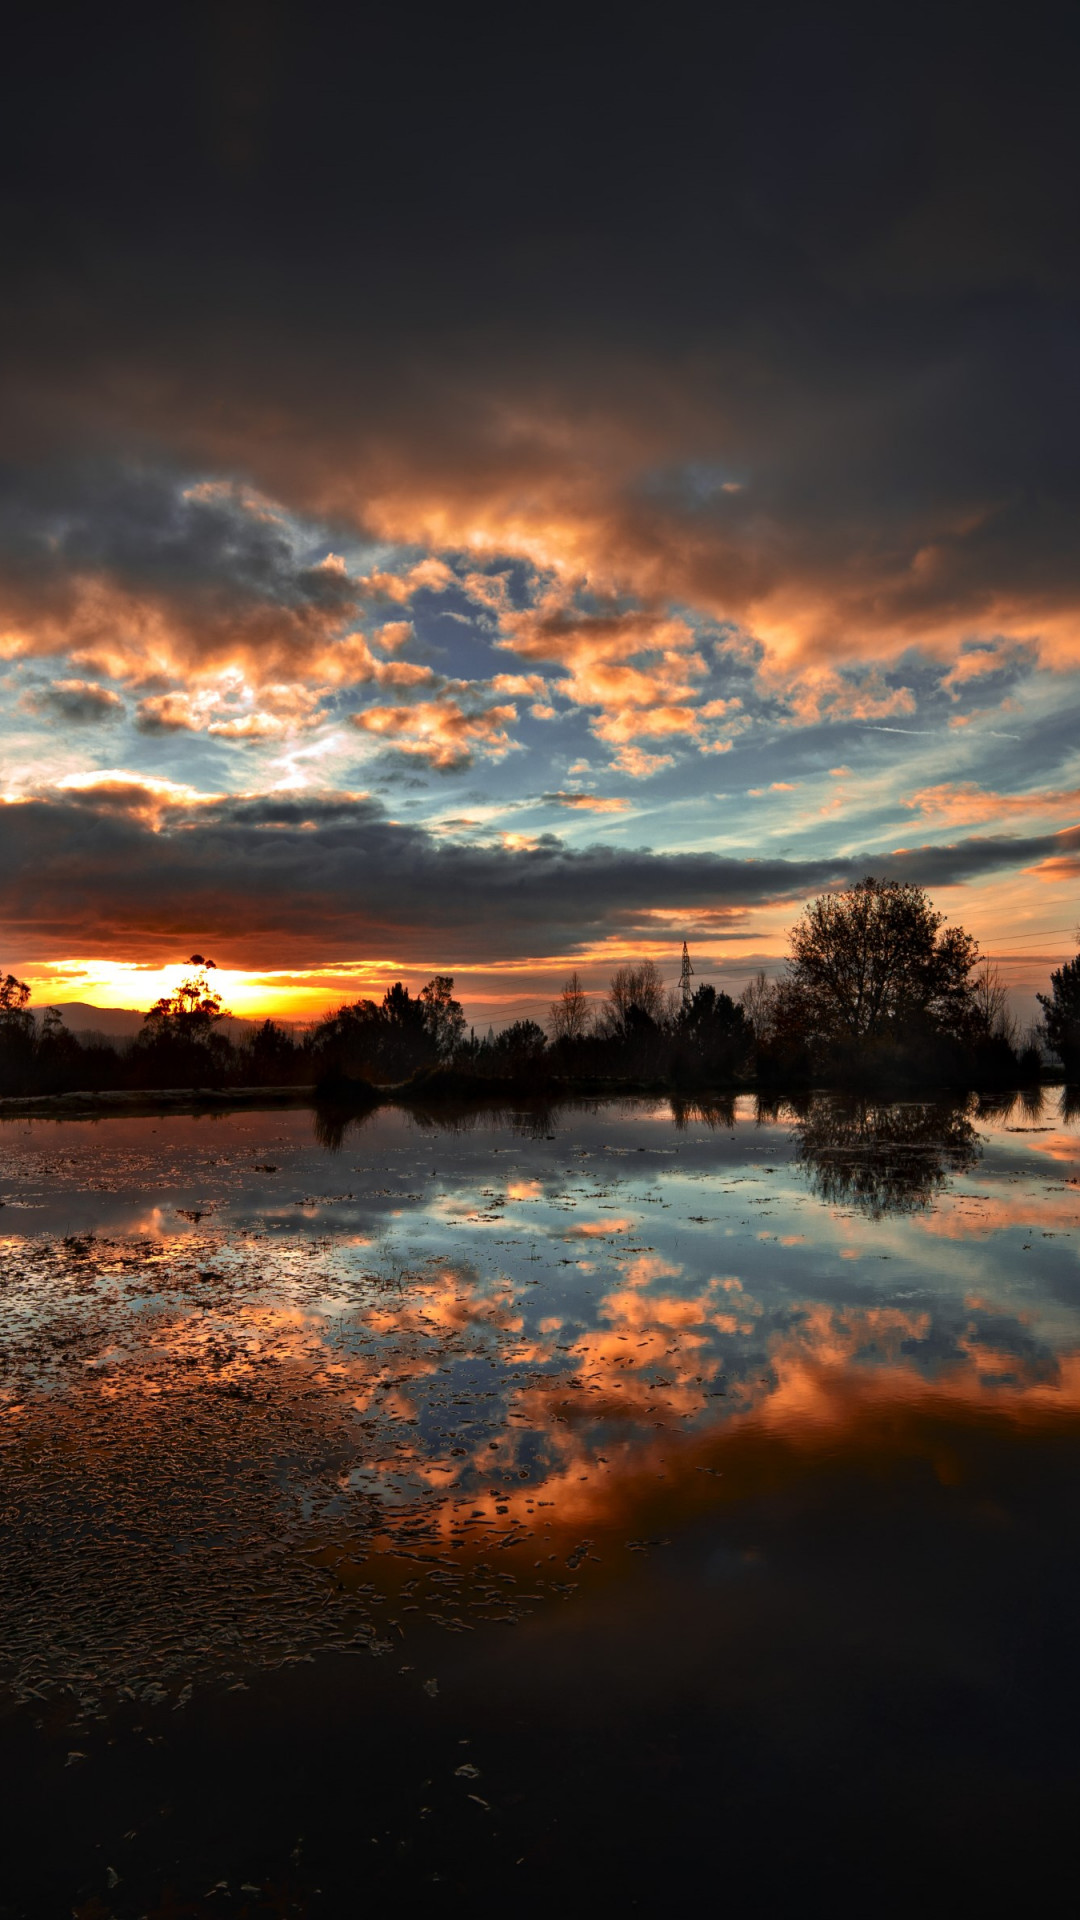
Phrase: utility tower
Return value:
(686, 975)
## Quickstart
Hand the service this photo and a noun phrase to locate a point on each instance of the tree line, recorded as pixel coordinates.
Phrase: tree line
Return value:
(877, 992)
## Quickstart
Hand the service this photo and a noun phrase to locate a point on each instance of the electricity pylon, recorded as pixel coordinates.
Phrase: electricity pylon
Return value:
(686, 975)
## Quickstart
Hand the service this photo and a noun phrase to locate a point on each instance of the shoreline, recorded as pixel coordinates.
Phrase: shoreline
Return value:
(354, 1102)
(136, 1100)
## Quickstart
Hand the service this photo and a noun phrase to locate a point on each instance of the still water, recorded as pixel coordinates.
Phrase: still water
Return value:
(607, 1506)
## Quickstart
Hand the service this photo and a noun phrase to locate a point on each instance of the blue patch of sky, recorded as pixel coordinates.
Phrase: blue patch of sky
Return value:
(692, 484)
(678, 805)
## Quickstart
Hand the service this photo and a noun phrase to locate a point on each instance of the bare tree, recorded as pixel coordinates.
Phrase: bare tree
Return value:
(990, 1005)
(568, 1016)
(758, 1002)
(636, 995)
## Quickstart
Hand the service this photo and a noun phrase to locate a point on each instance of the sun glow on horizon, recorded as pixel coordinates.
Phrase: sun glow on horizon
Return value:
(249, 995)
(1023, 926)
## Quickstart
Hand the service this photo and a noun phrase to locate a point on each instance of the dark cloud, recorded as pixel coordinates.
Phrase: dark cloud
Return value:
(833, 260)
(303, 881)
(81, 702)
(135, 560)
(766, 315)
(575, 800)
(949, 866)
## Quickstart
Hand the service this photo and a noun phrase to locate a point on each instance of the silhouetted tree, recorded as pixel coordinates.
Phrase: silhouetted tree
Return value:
(758, 1002)
(569, 1015)
(14, 999)
(179, 1039)
(443, 1016)
(269, 1056)
(781, 1030)
(1061, 1009)
(17, 1036)
(873, 971)
(517, 1053)
(58, 1055)
(191, 1010)
(711, 1036)
(391, 1042)
(347, 1042)
(633, 1022)
(635, 1000)
(992, 1018)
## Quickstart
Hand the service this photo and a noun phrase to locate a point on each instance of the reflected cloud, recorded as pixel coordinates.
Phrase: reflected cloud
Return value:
(230, 1435)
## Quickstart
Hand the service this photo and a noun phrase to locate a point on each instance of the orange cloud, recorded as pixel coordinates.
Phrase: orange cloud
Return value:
(823, 694)
(655, 723)
(560, 473)
(405, 673)
(599, 1229)
(965, 802)
(442, 732)
(521, 685)
(975, 663)
(639, 671)
(144, 797)
(586, 802)
(228, 707)
(639, 764)
(395, 633)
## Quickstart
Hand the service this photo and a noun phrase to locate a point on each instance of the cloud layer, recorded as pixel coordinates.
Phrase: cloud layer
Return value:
(122, 869)
(636, 438)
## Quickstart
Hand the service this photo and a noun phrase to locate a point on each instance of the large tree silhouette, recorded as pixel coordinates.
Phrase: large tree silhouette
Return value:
(873, 964)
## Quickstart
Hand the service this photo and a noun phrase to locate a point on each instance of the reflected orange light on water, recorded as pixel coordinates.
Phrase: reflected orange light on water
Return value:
(283, 1415)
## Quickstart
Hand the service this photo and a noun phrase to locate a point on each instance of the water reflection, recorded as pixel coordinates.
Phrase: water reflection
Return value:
(532, 1120)
(330, 1124)
(258, 1402)
(881, 1158)
(1024, 1104)
(711, 1110)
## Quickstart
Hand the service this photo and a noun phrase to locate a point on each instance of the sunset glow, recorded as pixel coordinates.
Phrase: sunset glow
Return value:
(539, 960)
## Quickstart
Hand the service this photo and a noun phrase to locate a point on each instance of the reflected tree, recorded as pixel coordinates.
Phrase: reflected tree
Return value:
(330, 1124)
(1032, 1103)
(530, 1120)
(713, 1110)
(1026, 1103)
(884, 1157)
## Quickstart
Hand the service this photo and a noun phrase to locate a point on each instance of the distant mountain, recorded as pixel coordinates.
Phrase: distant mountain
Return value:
(117, 1022)
(81, 1017)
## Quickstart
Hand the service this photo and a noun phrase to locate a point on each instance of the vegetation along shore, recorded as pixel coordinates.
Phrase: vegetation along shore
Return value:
(876, 993)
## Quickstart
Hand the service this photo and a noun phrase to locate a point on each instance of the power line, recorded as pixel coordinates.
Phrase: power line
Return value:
(1035, 933)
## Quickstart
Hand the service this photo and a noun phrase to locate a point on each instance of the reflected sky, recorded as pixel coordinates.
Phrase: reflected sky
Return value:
(262, 1398)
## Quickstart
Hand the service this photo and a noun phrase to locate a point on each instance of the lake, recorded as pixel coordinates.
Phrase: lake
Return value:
(612, 1504)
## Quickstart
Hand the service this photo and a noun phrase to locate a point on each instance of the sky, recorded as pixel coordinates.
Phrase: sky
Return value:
(502, 494)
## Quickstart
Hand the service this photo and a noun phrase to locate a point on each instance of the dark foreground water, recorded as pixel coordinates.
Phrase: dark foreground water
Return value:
(586, 1510)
